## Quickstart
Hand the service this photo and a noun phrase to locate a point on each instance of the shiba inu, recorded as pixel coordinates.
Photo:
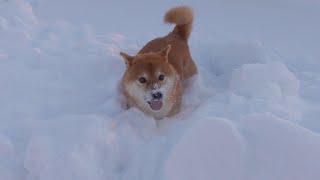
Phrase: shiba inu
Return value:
(153, 80)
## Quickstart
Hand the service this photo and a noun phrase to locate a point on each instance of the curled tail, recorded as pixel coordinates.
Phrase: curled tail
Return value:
(182, 16)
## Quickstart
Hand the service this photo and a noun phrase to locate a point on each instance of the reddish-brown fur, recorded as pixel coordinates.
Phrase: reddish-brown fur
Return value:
(169, 54)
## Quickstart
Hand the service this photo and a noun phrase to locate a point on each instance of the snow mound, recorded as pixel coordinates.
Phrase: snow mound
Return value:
(269, 81)
(261, 145)
(211, 149)
(279, 149)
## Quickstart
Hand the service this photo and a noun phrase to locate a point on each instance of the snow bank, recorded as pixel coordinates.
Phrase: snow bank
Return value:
(211, 149)
(260, 146)
(279, 149)
(269, 81)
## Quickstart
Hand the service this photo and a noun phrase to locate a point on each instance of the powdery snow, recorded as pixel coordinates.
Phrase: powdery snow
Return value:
(251, 113)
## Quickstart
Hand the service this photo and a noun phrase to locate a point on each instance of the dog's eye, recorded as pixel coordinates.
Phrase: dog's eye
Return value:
(161, 77)
(142, 80)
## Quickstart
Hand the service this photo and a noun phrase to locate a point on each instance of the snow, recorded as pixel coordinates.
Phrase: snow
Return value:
(219, 149)
(251, 113)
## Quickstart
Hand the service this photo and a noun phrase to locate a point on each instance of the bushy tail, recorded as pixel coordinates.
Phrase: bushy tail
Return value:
(182, 16)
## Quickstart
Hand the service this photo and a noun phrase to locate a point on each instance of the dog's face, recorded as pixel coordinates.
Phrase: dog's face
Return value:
(149, 82)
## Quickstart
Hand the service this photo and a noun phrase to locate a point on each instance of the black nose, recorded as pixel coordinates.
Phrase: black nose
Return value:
(157, 95)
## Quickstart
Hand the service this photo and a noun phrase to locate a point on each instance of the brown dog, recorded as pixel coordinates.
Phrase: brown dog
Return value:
(153, 80)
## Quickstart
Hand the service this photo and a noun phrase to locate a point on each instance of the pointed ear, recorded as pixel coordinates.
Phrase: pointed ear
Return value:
(165, 52)
(127, 58)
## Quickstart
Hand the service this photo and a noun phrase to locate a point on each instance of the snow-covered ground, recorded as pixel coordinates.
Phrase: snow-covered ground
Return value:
(251, 114)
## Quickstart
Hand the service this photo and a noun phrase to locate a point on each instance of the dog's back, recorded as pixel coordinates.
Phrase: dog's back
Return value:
(179, 55)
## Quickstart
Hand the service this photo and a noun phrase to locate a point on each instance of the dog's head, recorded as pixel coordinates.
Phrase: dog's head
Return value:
(150, 81)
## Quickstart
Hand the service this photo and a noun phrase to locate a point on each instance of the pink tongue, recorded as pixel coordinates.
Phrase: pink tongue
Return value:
(156, 105)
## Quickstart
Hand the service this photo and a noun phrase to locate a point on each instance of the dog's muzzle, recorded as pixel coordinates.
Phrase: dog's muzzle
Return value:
(156, 102)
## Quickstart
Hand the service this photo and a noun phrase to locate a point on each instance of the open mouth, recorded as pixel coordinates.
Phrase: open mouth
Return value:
(156, 104)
